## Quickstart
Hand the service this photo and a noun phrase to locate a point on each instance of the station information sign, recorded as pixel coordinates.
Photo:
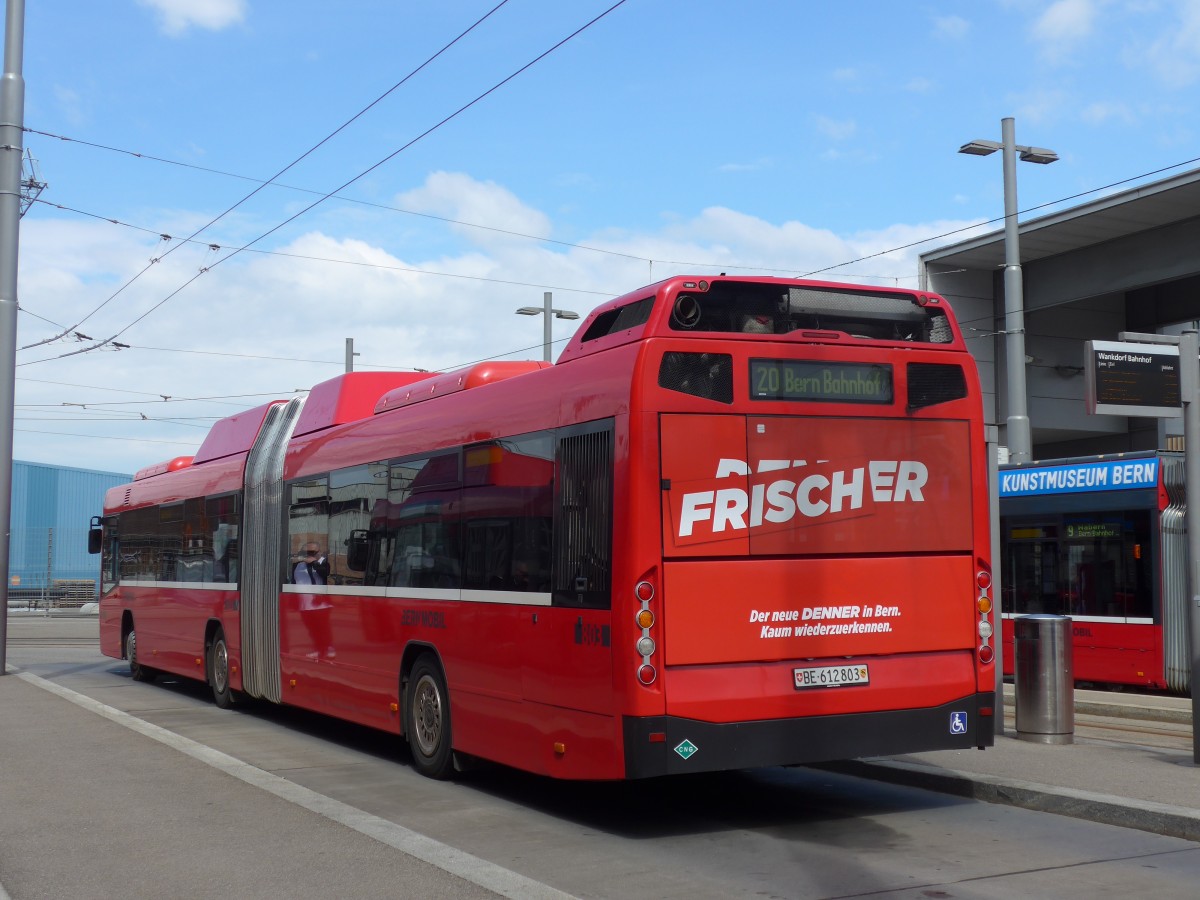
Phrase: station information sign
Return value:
(1125, 379)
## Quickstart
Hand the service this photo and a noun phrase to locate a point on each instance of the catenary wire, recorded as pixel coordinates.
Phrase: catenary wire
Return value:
(362, 174)
(408, 212)
(344, 262)
(104, 437)
(261, 186)
(571, 245)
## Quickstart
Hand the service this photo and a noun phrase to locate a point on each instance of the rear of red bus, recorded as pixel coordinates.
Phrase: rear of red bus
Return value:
(812, 581)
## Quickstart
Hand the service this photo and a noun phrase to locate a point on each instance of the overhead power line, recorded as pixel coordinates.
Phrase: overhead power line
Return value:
(105, 437)
(290, 165)
(337, 196)
(549, 240)
(362, 174)
(345, 262)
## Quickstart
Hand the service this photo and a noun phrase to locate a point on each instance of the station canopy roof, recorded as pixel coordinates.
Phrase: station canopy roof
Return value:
(1117, 215)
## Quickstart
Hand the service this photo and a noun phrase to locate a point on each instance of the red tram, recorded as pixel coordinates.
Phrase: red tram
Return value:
(1102, 539)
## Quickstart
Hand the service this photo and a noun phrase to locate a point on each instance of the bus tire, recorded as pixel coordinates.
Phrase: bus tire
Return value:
(137, 671)
(427, 719)
(218, 671)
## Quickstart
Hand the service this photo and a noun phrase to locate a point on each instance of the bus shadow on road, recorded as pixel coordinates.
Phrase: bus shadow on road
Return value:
(790, 803)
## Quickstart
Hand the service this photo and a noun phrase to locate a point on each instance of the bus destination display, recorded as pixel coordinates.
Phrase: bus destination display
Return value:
(828, 382)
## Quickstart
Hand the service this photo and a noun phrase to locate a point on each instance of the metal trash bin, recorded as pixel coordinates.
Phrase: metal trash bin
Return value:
(1045, 684)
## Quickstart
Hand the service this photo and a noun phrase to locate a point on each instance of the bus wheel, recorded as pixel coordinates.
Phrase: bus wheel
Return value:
(136, 670)
(218, 671)
(428, 719)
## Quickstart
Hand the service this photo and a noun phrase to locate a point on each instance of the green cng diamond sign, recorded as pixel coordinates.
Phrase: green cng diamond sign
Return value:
(686, 749)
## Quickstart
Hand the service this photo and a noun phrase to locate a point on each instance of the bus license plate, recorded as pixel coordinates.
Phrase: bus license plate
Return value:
(830, 676)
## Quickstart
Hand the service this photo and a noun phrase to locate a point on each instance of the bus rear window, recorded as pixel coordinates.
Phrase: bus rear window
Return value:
(757, 308)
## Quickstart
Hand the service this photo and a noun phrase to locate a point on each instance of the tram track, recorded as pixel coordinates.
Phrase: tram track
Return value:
(1166, 735)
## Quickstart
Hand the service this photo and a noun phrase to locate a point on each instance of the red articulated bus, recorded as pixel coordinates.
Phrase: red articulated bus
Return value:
(741, 522)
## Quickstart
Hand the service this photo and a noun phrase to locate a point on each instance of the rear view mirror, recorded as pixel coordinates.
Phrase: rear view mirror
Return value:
(95, 536)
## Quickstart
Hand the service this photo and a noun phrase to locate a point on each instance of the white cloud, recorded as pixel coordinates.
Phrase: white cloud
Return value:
(754, 166)
(835, 129)
(953, 28)
(1064, 25)
(1065, 20)
(1099, 112)
(1174, 56)
(453, 195)
(283, 319)
(176, 16)
(71, 105)
(1041, 105)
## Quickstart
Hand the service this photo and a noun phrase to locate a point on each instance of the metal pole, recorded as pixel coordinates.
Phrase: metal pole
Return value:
(350, 354)
(48, 592)
(1020, 445)
(12, 120)
(992, 439)
(547, 333)
(1189, 385)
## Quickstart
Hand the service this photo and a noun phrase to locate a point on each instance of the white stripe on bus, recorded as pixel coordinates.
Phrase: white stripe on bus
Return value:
(509, 598)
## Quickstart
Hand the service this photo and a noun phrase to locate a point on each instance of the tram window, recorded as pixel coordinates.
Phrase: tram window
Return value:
(1105, 573)
(1095, 565)
(1031, 570)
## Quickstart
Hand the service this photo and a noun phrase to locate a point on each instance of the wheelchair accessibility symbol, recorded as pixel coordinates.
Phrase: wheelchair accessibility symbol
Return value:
(958, 723)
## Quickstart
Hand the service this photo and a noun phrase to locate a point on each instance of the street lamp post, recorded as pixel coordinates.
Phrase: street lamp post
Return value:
(546, 312)
(1018, 437)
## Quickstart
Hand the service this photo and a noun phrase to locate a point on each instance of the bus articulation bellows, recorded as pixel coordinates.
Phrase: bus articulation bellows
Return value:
(741, 522)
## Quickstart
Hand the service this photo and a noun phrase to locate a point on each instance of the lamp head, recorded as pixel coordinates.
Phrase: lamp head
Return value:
(980, 148)
(1039, 155)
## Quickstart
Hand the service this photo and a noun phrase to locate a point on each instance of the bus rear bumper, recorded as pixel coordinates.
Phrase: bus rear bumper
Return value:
(669, 745)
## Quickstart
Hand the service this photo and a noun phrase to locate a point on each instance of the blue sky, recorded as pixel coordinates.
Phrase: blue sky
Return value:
(761, 136)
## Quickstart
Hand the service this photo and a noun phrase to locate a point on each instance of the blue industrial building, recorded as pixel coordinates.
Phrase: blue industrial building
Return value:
(51, 509)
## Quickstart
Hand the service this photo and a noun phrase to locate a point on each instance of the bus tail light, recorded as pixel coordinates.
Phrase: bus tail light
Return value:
(983, 604)
(645, 646)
